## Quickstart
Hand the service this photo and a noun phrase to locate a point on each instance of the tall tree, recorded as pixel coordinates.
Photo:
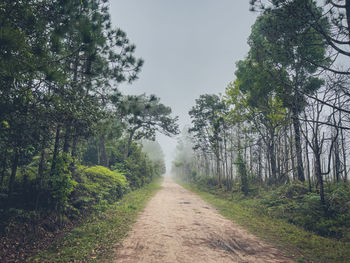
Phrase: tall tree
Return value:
(207, 123)
(283, 46)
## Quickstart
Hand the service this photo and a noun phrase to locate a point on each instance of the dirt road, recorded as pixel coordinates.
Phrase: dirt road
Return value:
(177, 226)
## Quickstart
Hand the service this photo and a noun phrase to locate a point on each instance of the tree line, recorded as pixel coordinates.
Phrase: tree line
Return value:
(284, 117)
(60, 108)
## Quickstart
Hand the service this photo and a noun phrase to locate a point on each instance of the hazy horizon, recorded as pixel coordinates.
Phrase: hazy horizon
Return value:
(189, 47)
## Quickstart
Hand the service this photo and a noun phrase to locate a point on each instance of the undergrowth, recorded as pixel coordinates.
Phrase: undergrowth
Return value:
(289, 217)
(95, 239)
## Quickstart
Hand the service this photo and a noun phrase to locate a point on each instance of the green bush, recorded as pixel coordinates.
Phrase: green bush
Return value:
(296, 205)
(98, 183)
(60, 184)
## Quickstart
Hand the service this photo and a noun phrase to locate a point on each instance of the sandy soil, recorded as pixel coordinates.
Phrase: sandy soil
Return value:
(177, 226)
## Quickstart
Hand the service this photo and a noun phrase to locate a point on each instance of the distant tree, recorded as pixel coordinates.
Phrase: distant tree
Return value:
(262, 106)
(207, 124)
(143, 116)
(154, 152)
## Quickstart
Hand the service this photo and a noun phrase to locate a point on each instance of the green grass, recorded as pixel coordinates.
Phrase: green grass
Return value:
(294, 241)
(95, 239)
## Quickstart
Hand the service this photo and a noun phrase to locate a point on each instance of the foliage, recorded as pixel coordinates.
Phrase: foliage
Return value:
(295, 241)
(94, 240)
(296, 205)
(242, 173)
(143, 116)
(60, 183)
(98, 183)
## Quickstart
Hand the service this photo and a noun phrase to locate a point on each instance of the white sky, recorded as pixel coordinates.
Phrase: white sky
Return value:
(190, 48)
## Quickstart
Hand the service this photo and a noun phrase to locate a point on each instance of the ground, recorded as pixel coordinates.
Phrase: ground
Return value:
(177, 226)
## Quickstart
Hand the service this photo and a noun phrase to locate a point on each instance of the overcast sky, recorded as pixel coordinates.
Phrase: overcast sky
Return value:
(190, 48)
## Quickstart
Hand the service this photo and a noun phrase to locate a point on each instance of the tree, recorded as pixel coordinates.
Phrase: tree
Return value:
(207, 123)
(335, 33)
(59, 63)
(262, 106)
(155, 153)
(143, 116)
(283, 46)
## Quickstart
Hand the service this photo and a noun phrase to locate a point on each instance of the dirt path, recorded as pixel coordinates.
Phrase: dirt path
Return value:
(177, 226)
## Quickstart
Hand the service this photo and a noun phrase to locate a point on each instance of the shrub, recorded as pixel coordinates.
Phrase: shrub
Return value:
(99, 183)
(59, 185)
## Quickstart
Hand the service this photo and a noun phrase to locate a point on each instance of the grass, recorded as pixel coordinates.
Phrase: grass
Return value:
(96, 238)
(304, 246)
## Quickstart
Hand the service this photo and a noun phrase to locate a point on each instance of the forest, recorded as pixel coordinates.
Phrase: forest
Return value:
(70, 141)
(279, 135)
(79, 157)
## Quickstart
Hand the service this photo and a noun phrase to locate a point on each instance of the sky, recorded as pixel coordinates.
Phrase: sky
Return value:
(190, 48)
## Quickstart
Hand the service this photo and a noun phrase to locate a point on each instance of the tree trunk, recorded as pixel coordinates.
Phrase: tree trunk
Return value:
(74, 146)
(271, 150)
(3, 170)
(291, 153)
(41, 166)
(56, 149)
(218, 170)
(307, 158)
(336, 161)
(127, 150)
(286, 154)
(67, 138)
(13, 172)
(259, 163)
(318, 169)
(40, 177)
(298, 149)
(103, 155)
(343, 144)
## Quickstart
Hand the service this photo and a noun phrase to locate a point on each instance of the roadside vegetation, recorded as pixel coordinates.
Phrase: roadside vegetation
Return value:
(95, 239)
(286, 226)
(70, 142)
(273, 149)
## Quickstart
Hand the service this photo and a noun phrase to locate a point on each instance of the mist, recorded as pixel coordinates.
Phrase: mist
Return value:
(189, 47)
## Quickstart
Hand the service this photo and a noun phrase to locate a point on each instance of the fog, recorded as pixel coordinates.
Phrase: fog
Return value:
(190, 48)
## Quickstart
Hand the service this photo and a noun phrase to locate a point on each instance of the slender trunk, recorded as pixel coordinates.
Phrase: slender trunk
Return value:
(273, 162)
(56, 149)
(41, 166)
(103, 157)
(307, 156)
(336, 161)
(3, 170)
(271, 149)
(286, 154)
(13, 172)
(343, 145)
(318, 168)
(40, 177)
(127, 150)
(318, 171)
(218, 170)
(259, 163)
(67, 139)
(291, 153)
(268, 166)
(298, 149)
(250, 159)
(278, 159)
(74, 146)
